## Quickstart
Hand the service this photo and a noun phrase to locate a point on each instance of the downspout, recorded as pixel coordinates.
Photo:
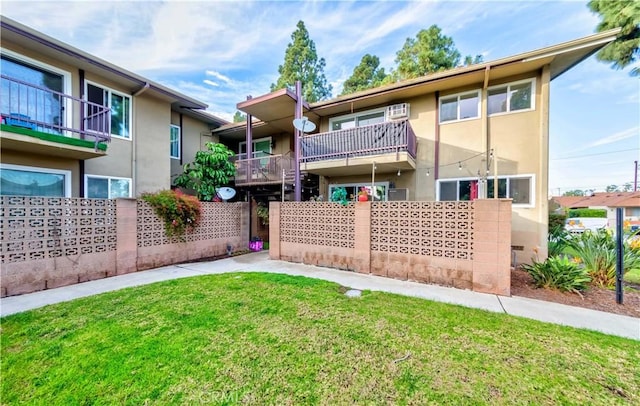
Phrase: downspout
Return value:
(485, 136)
(142, 89)
(436, 149)
(134, 161)
(181, 140)
(81, 162)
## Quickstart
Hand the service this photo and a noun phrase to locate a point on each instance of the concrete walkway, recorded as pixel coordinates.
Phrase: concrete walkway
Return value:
(623, 326)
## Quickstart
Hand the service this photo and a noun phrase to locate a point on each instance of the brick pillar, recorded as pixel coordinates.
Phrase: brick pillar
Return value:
(492, 246)
(362, 248)
(127, 236)
(274, 230)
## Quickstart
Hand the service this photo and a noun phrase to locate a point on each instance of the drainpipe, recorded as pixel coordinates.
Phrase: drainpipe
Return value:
(142, 89)
(436, 149)
(296, 136)
(485, 136)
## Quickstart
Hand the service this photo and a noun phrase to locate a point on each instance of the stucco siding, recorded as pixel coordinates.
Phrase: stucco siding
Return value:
(152, 118)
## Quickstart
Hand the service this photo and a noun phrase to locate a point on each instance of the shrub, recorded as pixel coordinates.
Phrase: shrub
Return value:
(179, 211)
(588, 213)
(558, 273)
(597, 252)
(556, 222)
(557, 241)
(340, 195)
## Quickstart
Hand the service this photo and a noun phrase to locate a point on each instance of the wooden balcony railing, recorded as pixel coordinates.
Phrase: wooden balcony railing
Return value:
(384, 138)
(36, 108)
(266, 169)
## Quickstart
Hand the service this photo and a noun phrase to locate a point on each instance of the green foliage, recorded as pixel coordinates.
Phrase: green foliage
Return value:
(238, 117)
(210, 170)
(557, 241)
(368, 74)
(472, 60)
(262, 211)
(625, 50)
(627, 187)
(430, 51)
(180, 212)
(556, 222)
(599, 213)
(560, 273)
(301, 63)
(576, 192)
(597, 253)
(339, 195)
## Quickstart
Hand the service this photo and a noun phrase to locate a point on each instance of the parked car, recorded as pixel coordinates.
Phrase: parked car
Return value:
(581, 224)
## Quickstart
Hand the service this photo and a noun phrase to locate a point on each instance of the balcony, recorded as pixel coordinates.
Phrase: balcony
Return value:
(352, 151)
(38, 120)
(263, 169)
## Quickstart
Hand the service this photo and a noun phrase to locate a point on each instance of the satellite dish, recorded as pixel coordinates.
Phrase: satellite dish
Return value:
(303, 124)
(225, 193)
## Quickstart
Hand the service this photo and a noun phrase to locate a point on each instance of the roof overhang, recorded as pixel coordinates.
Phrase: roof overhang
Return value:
(12, 31)
(560, 58)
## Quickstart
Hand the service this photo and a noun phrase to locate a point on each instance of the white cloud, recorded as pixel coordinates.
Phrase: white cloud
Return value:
(211, 82)
(218, 75)
(613, 138)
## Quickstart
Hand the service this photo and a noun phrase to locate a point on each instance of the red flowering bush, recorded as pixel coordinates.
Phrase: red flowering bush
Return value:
(180, 212)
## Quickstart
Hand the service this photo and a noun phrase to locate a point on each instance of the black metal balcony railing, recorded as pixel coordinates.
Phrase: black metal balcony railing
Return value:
(384, 138)
(28, 106)
(263, 169)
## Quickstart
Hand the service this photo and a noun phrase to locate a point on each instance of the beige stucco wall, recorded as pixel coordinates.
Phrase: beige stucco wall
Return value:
(193, 140)
(152, 119)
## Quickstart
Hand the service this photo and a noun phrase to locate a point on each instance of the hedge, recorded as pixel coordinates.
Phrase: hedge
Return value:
(588, 213)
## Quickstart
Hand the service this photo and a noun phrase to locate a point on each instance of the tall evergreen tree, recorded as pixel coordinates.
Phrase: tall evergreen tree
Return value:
(625, 50)
(301, 63)
(238, 117)
(430, 51)
(472, 60)
(367, 75)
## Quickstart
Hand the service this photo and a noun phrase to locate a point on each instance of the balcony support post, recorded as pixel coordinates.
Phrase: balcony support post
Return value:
(296, 132)
(249, 137)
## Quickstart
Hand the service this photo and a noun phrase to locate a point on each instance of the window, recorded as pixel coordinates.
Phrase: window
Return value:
(361, 119)
(460, 107)
(515, 96)
(518, 188)
(19, 180)
(175, 141)
(106, 187)
(261, 147)
(43, 104)
(381, 189)
(120, 105)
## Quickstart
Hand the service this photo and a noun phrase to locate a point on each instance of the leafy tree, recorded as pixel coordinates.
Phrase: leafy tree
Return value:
(430, 51)
(238, 117)
(367, 75)
(625, 50)
(472, 60)
(210, 170)
(611, 188)
(301, 63)
(576, 192)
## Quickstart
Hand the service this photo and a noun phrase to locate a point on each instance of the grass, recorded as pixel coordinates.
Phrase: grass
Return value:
(276, 339)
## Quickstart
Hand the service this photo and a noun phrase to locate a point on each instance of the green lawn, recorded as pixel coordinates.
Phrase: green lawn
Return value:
(275, 339)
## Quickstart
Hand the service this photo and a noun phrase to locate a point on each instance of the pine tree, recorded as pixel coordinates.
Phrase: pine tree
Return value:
(238, 117)
(365, 76)
(625, 50)
(301, 63)
(430, 51)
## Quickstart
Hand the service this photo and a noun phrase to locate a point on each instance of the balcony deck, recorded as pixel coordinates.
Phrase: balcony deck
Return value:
(353, 151)
(263, 170)
(38, 120)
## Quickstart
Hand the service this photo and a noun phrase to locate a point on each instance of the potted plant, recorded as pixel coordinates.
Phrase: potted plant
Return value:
(363, 196)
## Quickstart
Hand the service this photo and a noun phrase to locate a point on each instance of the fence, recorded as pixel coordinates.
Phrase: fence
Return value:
(52, 242)
(460, 244)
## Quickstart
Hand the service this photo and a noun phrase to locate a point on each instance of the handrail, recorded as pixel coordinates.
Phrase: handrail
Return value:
(41, 109)
(382, 138)
(267, 169)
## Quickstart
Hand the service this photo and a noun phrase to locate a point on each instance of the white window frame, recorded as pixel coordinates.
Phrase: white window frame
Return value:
(112, 91)
(359, 185)
(457, 97)
(67, 174)
(109, 178)
(532, 187)
(508, 87)
(66, 85)
(356, 115)
(179, 142)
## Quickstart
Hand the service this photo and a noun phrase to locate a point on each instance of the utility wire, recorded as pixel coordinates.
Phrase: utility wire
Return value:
(597, 153)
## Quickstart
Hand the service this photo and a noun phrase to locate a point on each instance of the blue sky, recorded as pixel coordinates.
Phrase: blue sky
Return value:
(222, 51)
